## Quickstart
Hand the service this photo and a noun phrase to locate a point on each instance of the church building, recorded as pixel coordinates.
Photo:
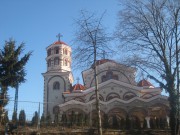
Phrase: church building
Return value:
(120, 95)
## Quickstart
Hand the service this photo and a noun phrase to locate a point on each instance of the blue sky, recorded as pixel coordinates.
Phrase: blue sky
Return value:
(37, 22)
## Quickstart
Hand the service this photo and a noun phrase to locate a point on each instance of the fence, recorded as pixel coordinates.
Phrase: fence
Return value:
(28, 106)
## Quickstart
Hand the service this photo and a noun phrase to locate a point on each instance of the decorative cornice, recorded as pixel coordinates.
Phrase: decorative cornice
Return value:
(158, 97)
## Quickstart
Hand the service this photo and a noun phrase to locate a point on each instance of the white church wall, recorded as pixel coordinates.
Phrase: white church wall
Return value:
(123, 74)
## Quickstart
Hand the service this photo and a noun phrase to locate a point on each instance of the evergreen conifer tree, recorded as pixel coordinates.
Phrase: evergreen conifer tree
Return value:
(12, 71)
(48, 119)
(22, 118)
(42, 121)
(14, 117)
(35, 119)
(5, 119)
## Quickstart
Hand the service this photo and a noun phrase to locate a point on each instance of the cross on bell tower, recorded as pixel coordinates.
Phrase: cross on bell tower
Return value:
(59, 36)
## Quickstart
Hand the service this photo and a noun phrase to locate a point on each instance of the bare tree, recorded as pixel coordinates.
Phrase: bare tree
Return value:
(150, 33)
(91, 40)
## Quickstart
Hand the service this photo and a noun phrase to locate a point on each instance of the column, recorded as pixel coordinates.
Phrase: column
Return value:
(141, 122)
(60, 116)
(167, 119)
(147, 120)
(90, 115)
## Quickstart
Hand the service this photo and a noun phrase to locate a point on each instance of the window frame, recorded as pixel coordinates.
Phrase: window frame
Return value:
(56, 85)
(56, 50)
(49, 52)
(56, 61)
(49, 63)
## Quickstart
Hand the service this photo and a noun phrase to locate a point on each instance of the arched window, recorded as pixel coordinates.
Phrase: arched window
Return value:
(49, 63)
(103, 78)
(69, 64)
(115, 77)
(65, 62)
(94, 97)
(79, 99)
(56, 86)
(56, 61)
(129, 95)
(65, 51)
(111, 96)
(109, 75)
(55, 109)
(49, 52)
(56, 50)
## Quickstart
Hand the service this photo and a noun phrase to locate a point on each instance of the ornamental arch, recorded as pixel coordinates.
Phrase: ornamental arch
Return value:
(79, 99)
(118, 111)
(115, 76)
(73, 116)
(112, 96)
(92, 117)
(116, 116)
(158, 110)
(139, 113)
(129, 95)
(94, 97)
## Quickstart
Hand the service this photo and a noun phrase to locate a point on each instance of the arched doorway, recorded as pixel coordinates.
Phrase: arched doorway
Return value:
(158, 116)
(137, 117)
(74, 117)
(116, 118)
(93, 118)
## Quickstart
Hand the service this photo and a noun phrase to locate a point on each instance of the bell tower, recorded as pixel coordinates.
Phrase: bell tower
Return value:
(58, 57)
(58, 78)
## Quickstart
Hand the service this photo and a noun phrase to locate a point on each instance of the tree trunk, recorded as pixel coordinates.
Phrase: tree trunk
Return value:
(3, 98)
(173, 111)
(97, 95)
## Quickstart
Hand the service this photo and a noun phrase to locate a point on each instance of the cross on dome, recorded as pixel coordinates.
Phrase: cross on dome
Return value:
(59, 36)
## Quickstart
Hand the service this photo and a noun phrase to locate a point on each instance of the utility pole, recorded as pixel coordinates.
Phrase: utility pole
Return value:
(16, 99)
(38, 125)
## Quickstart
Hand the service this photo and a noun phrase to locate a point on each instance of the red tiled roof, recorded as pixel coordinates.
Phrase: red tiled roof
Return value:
(78, 87)
(99, 62)
(143, 83)
(59, 42)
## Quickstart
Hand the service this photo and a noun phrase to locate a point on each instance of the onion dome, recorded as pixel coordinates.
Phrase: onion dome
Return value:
(99, 62)
(145, 83)
(78, 87)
